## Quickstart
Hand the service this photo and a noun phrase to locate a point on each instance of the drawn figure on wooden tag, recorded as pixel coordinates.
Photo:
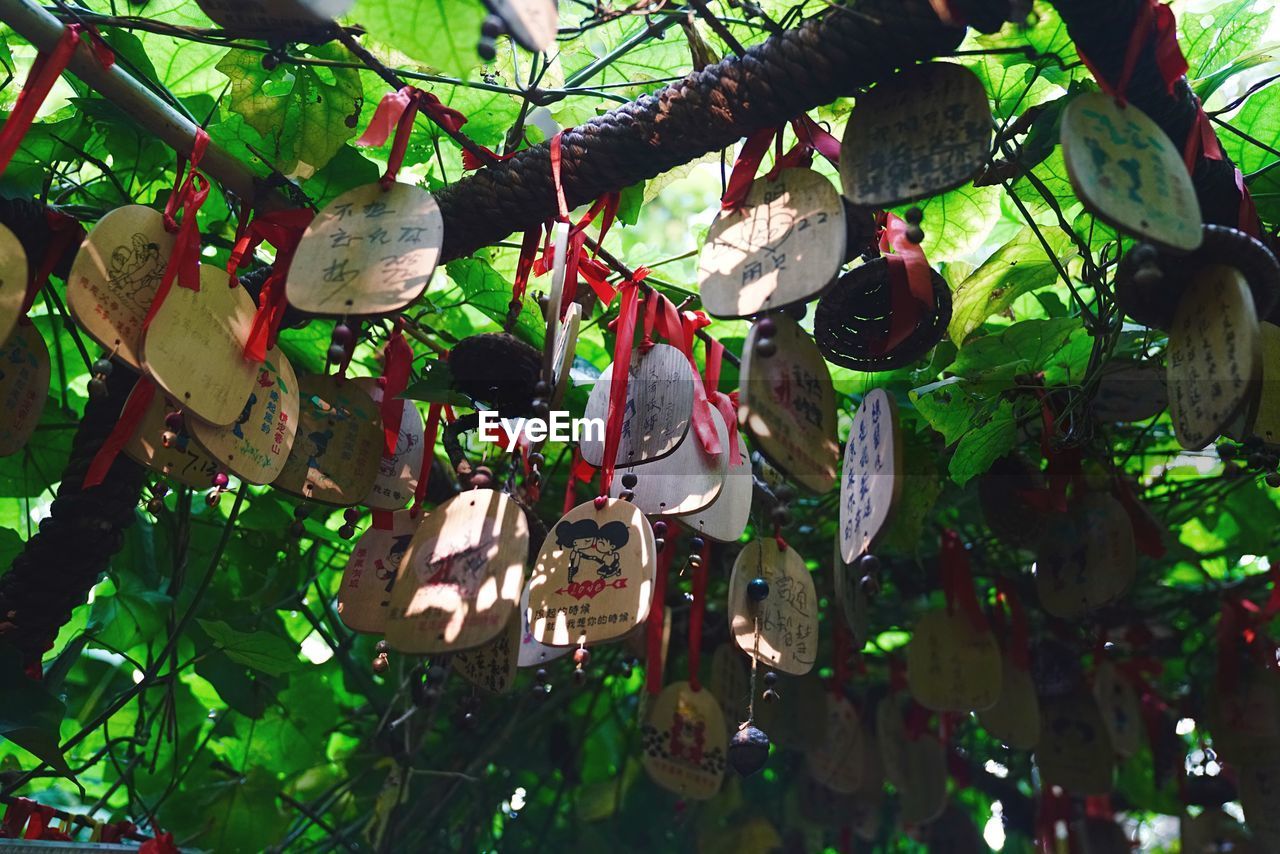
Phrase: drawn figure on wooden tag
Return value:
(593, 548)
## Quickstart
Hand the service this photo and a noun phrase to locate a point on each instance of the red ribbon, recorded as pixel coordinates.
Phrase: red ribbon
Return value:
(471, 162)
(283, 230)
(745, 167)
(1064, 466)
(396, 365)
(657, 614)
(1155, 20)
(810, 137)
(528, 254)
(910, 282)
(430, 432)
(398, 110)
(625, 331)
(696, 611)
(661, 315)
(189, 194)
(579, 470)
(957, 581)
(162, 844)
(1055, 807)
(65, 234)
(130, 417)
(1242, 620)
(1018, 639)
(723, 402)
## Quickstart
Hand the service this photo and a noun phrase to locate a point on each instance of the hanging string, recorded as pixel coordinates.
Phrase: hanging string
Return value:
(696, 612)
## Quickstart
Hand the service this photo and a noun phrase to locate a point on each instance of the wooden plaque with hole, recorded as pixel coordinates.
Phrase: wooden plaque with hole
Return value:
(272, 16)
(869, 484)
(787, 618)
(783, 246)
(1128, 173)
(839, 763)
(397, 474)
(1087, 558)
(725, 518)
(533, 653)
(183, 461)
(24, 386)
(684, 742)
(658, 410)
(1214, 360)
(364, 596)
(492, 665)
(115, 276)
(370, 251)
(562, 355)
(923, 131)
(532, 23)
(335, 454)
(952, 666)
(685, 481)
(1015, 718)
(255, 447)
(1074, 751)
(13, 281)
(1120, 707)
(460, 579)
(788, 404)
(594, 575)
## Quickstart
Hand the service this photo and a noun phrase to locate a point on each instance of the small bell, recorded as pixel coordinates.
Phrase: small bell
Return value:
(748, 750)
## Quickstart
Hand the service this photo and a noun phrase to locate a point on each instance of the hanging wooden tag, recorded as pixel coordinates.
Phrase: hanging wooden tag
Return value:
(1086, 558)
(869, 485)
(460, 579)
(951, 665)
(1266, 423)
(1015, 718)
(923, 131)
(725, 518)
(786, 621)
(594, 576)
(658, 410)
(24, 386)
(13, 281)
(532, 23)
(924, 787)
(364, 596)
(1214, 361)
(839, 763)
(335, 454)
(1121, 709)
(685, 481)
(492, 665)
(115, 276)
(194, 348)
(797, 719)
(1259, 786)
(684, 742)
(1073, 751)
(562, 356)
(255, 447)
(273, 16)
(370, 251)
(1127, 171)
(788, 404)
(398, 474)
(532, 652)
(184, 461)
(730, 683)
(1129, 391)
(783, 246)
(851, 598)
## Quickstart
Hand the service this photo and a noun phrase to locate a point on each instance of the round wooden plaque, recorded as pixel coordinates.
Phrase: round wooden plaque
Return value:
(1130, 391)
(397, 474)
(731, 684)
(726, 517)
(1086, 558)
(658, 411)
(1073, 751)
(684, 742)
(335, 454)
(923, 131)
(492, 666)
(786, 620)
(255, 447)
(533, 24)
(594, 576)
(1266, 423)
(364, 596)
(370, 251)
(869, 484)
(788, 404)
(115, 276)
(1214, 361)
(13, 281)
(460, 580)
(533, 653)
(783, 246)
(951, 666)
(24, 386)
(1127, 171)
(184, 461)
(840, 762)
(1015, 718)
(1121, 709)
(687, 480)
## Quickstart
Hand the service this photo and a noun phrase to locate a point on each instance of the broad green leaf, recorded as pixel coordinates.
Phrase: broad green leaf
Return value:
(1025, 347)
(482, 287)
(1206, 86)
(992, 436)
(440, 34)
(1211, 40)
(435, 385)
(956, 223)
(259, 650)
(1259, 118)
(1021, 265)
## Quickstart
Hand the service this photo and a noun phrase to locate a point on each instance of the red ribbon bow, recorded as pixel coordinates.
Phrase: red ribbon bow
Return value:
(810, 137)
(910, 281)
(957, 581)
(189, 194)
(727, 404)
(283, 230)
(398, 110)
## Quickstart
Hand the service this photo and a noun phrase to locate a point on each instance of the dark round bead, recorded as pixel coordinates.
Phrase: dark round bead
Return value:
(659, 543)
(541, 408)
(1143, 254)
(492, 27)
(382, 647)
(769, 696)
(173, 421)
(220, 480)
(1147, 275)
(97, 388)
(797, 311)
(102, 367)
(582, 656)
(533, 478)
(870, 586)
(780, 516)
(482, 477)
(160, 490)
(540, 674)
(536, 459)
(868, 564)
(695, 560)
(1273, 480)
(436, 675)
(697, 543)
(381, 664)
(486, 49)
(580, 676)
(915, 234)
(766, 347)
(270, 62)
(757, 590)
(351, 514)
(342, 334)
(627, 495)
(541, 389)
(913, 215)
(748, 750)
(785, 492)
(659, 528)
(337, 354)
(770, 678)
(301, 511)
(767, 327)
(629, 480)
(154, 506)
(347, 532)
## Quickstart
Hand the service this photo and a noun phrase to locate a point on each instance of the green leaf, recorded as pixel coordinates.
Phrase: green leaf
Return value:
(260, 650)
(485, 289)
(630, 201)
(1024, 347)
(29, 715)
(435, 385)
(1206, 86)
(991, 438)
(1211, 40)
(1021, 265)
(1260, 119)
(441, 34)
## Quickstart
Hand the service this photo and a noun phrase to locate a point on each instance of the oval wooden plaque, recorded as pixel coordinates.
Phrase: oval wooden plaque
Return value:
(184, 461)
(684, 742)
(788, 404)
(658, 411)
(1015, 718)
(370, 251)
(256, 446)
(594, 576)
(532, 23)
(1246, 722)
(397, 474)
(24, 386)
(685, 481)
(492, 665)
(1259, 785)
(533, 653)
(335, 454)
(869, 484)
(726, 517)
(1087, 558)
(364, 596)
(273, 16)
(115, 276)
(13, 281)
(461, 577)
(1073, 751)
(951, 665)
(788, 616)
(840, 762)
(1121, 709)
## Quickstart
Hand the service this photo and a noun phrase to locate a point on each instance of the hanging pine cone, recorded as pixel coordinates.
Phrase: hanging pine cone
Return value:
(748, 750)
(498, 370)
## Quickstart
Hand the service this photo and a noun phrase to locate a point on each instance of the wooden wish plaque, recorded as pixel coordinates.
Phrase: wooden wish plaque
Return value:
(256, 446)
(460, 580)
(335, 454)
(685, 481)
(1128, 173)
(194, 348)
(781, 631)
(24, 386)
(1266, 422)
(492, 665)
(1214, 361)
(1245, 721)
(730, 684)
(1121, 709)
(788, 404)
(563, 352)
(658, 410)
(594, 576)
(841, 760)
(952, 666)
(1074, 751)
(183, 460)
(1015, 718)
(272, 16)
(397, 474)
(1130, 391)
(684, 742)
(1086, 558)
(726, 517)
(532, 652)
(784, 245)
(370, 251)
(923, 131)
(869, 483)
(115, 276)
(533, 24)
(364, 596)
(13, 281)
